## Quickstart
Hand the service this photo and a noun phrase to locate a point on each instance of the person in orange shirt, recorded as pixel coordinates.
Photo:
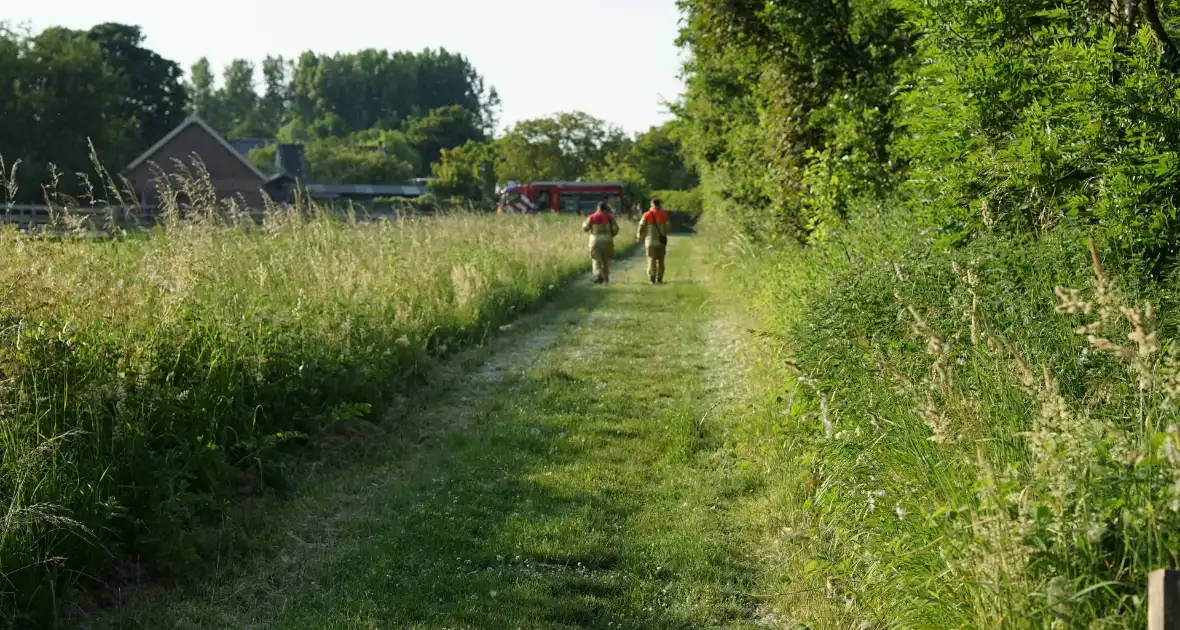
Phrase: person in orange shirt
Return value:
(653, 231)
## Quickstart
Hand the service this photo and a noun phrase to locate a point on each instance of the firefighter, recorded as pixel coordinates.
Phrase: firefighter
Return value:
(602, 228)
(653, 231)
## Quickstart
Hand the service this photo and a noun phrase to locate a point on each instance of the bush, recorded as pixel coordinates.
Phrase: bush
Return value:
(335, 161)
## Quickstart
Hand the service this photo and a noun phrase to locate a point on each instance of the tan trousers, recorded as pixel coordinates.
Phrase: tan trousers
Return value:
(601, 256)
(655, 261)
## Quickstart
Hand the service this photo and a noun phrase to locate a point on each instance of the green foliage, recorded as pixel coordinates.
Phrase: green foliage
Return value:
(395, 144)
(964, 455)
(294, 132)
(376, 156)
(467, 172)
(62, 88)
(618, 169)
(376, 88)
(238, 100)
(690, 202)
(575, 146)
(447, 127)
(202, 87)
(563, 147)
(264, 158)
(659, 158)
(1014, 117)
(347, 101)
(158, 98)
(1055, 115)
(274, 107)
(787, 101)
(338, 161)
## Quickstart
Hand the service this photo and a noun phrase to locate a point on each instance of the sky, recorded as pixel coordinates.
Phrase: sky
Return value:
(614, 59)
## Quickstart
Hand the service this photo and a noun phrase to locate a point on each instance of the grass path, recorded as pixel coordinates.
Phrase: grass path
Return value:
(571, 480)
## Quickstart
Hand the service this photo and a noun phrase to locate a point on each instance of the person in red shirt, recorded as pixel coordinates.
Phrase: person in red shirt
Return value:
(602, 228)
(653, 230)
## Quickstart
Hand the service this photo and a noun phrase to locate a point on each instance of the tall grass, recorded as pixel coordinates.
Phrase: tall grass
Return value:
(978, 438)
(144, 381)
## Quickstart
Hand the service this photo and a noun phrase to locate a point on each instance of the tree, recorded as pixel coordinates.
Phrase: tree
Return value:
(295, 132)
(264, 158)
(60, 94)
(329, 126)
(157, 98)
(335, 161)
(443, 128)
(376, 88)
(491, 112)
(466, 172)
(780, 93)
(446, 78)
(391, 143)
(618, 169)
(562, 147)
(239, 101)
(657, 156)
(203, 92)
(276, 97)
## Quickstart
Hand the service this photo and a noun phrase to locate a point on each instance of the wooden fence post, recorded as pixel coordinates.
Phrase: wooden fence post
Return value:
(1163, 600)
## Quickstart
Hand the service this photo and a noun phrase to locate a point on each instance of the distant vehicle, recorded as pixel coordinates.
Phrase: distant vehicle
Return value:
(565, 197)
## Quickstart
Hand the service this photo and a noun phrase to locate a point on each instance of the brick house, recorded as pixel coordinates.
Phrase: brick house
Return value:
(230, 173)
(233, 175)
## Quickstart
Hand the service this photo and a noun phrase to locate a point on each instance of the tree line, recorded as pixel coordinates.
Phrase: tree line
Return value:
(370, 117)
(565, 147)
(1017, 115)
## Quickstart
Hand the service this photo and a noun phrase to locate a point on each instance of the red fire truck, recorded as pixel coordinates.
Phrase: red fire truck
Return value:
(565, 197)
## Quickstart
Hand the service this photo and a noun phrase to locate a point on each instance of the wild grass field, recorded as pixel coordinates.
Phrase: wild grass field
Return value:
(981, 437)
(576, 476)
(150, 383)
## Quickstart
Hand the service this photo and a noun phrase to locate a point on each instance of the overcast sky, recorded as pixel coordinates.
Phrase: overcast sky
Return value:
(614, 59)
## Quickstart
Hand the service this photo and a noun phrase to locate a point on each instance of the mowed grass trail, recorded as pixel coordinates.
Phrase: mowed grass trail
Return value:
(569, 481)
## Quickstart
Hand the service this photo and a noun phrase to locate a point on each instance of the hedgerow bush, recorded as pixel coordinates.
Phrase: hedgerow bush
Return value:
(1026, 115)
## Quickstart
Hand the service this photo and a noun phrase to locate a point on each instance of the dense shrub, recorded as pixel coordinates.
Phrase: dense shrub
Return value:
(789, 109)
(1036, 113)
(1018, 116)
